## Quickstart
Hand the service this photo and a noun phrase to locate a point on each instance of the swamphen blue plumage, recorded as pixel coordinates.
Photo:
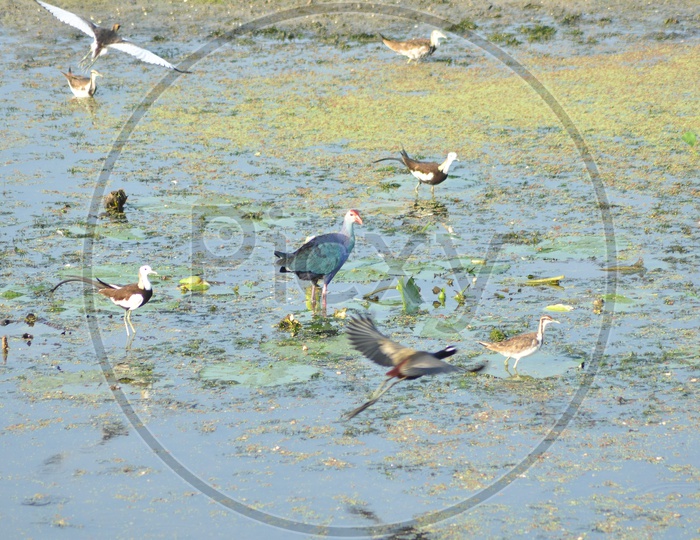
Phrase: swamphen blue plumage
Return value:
(322, 256)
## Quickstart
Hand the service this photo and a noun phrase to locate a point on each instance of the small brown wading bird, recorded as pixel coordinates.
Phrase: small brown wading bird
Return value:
(426, 172)
(520, 346)
(104, 38)
(405, 363)
(322, 256)
(82, 87)
(129, 297)
(415, 49)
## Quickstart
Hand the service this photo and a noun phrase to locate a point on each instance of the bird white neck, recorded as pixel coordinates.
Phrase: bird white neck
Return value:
(540, 330)
(144, 283)
(435, 39)
(445, 167)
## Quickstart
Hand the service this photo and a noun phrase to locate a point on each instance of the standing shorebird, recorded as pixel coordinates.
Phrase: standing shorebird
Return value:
(104, 38)
(415, 49)
(427, 172)
(82, 87)
(322, 256)
(130, 297)
(406, 364)
(522, 345)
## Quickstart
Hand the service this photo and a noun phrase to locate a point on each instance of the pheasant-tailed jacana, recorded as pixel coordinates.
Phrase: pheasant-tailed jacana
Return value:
(82, 87)
(521, 345)
(427, 172)
(130, 297)
(415, 49)
(103, 39)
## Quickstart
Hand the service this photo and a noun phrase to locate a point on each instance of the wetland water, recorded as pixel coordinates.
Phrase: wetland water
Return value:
(271, 140)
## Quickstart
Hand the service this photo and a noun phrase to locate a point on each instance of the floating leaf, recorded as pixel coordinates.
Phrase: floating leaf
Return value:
(690, 138)
(460, 296)
(193, 283)
(290, 324)
(410, 294)
(544, 281)
(559, 307)
(247, 374)
(617, 298)
(637, 267)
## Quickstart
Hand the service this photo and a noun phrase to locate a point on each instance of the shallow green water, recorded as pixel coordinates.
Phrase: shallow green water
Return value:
(270, 142)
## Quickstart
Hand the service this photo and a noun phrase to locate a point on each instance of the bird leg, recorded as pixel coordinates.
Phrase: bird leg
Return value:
(377, 393)
(324, 294)
(313, 297)
(375, 398)
(432, 190)
(133, 330)
(416, 190)
(125, 326)
(86, 63)
(127, 319)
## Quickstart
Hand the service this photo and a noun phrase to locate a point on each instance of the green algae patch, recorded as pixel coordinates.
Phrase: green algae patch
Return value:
(85, 384)
(248, 374)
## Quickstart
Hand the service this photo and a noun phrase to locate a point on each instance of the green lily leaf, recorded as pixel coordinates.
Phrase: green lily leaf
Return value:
(410, 294)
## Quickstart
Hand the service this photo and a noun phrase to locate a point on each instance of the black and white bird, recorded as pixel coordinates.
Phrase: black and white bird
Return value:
(521, 345)
(406, 363)
(415, 49)
(104, 39)
(427, 172)
(129, 297)
(82, 87)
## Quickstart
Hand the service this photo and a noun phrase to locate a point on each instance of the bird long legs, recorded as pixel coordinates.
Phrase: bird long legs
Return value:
(379, 392)
(127, 319)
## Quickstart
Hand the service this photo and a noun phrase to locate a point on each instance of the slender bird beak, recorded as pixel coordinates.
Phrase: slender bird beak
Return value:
(153, 272)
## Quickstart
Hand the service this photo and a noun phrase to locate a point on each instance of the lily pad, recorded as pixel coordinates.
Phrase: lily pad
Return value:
(410, 294)
(690, 138)
(253, 376)
(559, 307)
(193, 283)
(617, 299)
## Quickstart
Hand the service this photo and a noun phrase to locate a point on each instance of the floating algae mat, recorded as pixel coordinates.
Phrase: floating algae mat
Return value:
(248, 374)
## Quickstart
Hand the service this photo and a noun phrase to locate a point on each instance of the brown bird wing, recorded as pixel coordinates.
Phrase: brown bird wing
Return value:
(514, 344)
(365, 337)
(425, 167)
(123, 293)
(409, 45)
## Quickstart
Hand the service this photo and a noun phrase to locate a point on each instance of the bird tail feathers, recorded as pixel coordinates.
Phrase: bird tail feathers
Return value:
(95, 283)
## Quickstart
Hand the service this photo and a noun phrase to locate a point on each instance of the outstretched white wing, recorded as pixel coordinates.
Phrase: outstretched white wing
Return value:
(69, 18)
(141, 54)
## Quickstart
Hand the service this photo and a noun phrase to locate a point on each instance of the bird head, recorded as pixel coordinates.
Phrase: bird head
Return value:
(116, 27)
(353, 216)
(146, 270)
(435, 37)
(546, 319)
(95, 73)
